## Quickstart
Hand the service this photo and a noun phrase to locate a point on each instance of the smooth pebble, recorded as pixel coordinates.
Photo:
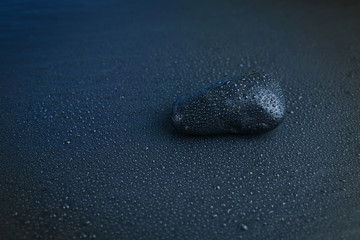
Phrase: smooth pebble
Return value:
(252, 103)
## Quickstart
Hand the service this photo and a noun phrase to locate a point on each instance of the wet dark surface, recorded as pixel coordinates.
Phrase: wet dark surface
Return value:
(87, 149)
(248, 104)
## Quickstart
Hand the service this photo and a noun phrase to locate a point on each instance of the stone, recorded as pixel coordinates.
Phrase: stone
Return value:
(252, 103)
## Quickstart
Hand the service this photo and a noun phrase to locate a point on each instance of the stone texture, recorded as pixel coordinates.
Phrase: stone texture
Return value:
(249, 104)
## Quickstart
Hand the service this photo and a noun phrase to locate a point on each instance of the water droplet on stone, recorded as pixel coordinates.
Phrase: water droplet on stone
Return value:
(243, 227)
(248, 104)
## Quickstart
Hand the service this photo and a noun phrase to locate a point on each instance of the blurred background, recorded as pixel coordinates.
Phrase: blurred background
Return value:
(87, 149)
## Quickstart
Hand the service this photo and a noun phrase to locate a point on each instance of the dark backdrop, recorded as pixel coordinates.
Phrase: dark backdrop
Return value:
(87, 149)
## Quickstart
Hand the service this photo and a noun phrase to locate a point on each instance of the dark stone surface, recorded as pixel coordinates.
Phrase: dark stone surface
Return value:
(252, 103)
(87, 149)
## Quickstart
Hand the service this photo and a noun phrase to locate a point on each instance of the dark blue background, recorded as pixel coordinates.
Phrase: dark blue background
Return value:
(87, 149)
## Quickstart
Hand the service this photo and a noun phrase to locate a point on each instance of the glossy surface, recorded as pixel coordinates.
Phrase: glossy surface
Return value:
(87, 149)
(252, 103)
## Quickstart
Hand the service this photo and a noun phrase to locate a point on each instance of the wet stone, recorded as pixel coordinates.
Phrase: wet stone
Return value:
(252, 103)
